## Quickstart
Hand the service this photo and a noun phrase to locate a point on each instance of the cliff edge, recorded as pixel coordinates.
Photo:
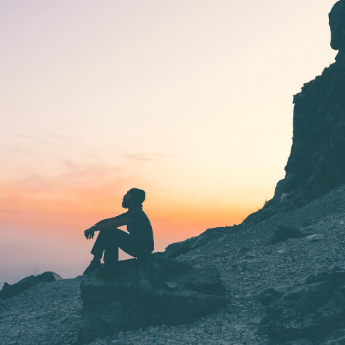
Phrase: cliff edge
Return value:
(316, 164)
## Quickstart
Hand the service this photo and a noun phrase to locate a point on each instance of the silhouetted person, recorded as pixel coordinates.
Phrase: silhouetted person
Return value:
(138, 242)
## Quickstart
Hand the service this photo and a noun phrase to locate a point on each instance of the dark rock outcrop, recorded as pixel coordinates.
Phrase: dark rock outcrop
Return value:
(282, 233)
(148, 293)
(179, 248)
(316, 164)
(14, 289)
(313, 310)
(337, 25)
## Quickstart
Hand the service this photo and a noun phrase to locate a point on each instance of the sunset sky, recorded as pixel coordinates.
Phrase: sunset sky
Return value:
(189, 100)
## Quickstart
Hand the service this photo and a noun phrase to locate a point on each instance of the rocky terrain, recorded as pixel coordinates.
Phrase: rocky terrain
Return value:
(282, 268)
(248, 262)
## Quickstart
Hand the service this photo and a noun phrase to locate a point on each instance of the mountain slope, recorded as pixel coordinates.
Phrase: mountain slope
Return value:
(49, 313)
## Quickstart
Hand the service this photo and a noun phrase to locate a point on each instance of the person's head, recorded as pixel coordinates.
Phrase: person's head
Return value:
(134, 197)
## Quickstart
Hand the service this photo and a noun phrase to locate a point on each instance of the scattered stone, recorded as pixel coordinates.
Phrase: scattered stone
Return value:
(309, 311)
(256, 320)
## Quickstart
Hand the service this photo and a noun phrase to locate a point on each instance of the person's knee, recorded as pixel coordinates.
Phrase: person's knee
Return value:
(107, 234)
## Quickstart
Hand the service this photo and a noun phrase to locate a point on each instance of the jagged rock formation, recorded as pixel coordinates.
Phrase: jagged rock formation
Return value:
(309, 311)
(150, 293)
(25, 283)
(317, 160)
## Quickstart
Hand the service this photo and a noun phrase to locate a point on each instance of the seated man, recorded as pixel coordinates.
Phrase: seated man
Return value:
(138, 242)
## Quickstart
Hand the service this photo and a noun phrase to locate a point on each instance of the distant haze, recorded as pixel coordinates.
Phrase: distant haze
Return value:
(189, 100)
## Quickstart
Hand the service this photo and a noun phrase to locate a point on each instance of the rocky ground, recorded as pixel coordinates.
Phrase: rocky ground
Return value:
(49, 313)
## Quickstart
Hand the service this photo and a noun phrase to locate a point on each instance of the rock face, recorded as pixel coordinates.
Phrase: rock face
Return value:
(12, 290)
(148, 293)
(282, 233)
(311, 311)
(316, 163)
(337, 24)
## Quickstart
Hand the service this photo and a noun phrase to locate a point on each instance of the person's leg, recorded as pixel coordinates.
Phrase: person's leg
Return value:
(111, 238)
(99, 245)
(97, 251)
(123, 240)
(114, 239)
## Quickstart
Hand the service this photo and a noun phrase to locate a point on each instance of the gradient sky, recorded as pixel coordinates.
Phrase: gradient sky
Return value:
(189, 100)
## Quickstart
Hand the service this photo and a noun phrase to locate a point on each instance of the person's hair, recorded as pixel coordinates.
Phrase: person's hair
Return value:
(138, 195)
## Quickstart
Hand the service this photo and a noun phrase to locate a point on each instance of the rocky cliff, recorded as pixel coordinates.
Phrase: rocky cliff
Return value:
(317, 160)
(316, 163)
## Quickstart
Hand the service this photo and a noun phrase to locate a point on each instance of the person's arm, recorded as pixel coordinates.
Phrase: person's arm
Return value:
(89, 233)
(112, 224)
(110, 219)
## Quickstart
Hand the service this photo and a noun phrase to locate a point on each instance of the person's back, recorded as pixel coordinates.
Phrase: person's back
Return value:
(140, 228)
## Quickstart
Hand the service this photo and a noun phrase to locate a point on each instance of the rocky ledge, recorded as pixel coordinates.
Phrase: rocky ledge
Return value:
(147, 293)
(24, 284)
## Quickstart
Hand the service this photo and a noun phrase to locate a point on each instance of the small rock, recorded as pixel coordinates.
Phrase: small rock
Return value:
(256, 320)
(171, 285)
(283, 196)
(316, 237)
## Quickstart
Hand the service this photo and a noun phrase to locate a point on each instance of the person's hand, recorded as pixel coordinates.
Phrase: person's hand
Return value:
(89, 233)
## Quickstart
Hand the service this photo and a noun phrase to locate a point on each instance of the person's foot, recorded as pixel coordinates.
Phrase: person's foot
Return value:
(106, 272)
(94, 265)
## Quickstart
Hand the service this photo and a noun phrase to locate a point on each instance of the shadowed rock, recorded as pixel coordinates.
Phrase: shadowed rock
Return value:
(313, 310)
(148, 293)
(316, 164)
(12, 290)
(282, 233)
(337, 25)
(316, 160)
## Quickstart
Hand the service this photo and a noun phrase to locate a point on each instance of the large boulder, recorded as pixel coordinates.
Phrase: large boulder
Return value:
(314, 310)
(147, 293)
(14, 289)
